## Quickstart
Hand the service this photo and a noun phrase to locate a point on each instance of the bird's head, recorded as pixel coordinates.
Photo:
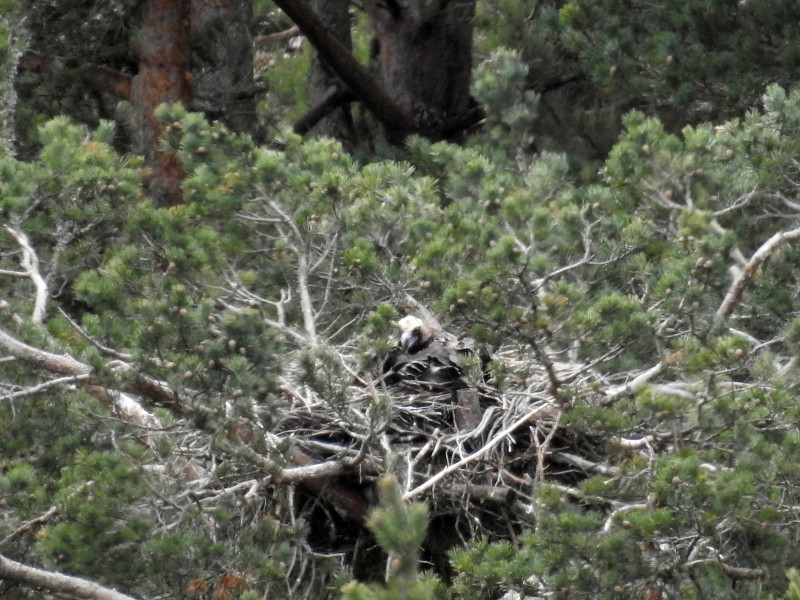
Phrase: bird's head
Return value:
(414, 334)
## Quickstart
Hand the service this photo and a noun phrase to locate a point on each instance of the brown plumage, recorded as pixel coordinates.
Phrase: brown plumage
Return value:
(427, 357)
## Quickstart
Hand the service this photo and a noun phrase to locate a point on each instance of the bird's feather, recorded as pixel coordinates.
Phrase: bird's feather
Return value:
(429, 357)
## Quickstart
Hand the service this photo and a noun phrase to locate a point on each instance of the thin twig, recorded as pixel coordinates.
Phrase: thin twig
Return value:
(94, 341)
(495, 441)
(29, 391)
(28, 525)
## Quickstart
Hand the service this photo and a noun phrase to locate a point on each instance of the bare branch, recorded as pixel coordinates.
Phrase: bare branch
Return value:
(615, 393)
(29, 391)
(310, 471)
(278, 324)
(30, 265)
(67, 365)
(759, 256)
(549, 367)
(584, 464)
(29, 525)
(56, 582)
(620, 511)
(540, 410)
(729, 570)
(92, 340)
(57, 363)
(297, 246)
(543, 447)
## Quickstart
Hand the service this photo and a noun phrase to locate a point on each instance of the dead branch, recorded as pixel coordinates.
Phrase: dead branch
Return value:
(94, 342)
(620, 511)
(544, 359)
(740, 282)
(29, 525)
(55, 363)
(543, 409)
(584, 464)
(729, 570)
(302, 273)
(271, 38)
(45, 385)
(482, 493)
(543, 447)
(617, 392)
(65, 364)
(57, 583)
(30, 266)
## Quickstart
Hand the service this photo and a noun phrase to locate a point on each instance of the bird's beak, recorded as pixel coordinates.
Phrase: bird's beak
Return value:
(407, 339)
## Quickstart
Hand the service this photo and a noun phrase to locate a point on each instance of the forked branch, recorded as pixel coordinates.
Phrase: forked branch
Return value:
(30, 266)
(746, 274)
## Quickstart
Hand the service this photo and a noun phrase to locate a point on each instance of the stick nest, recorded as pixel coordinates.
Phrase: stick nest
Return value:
(486, 448)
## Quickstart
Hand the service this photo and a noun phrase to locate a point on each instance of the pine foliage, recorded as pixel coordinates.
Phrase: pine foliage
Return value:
(190, 397)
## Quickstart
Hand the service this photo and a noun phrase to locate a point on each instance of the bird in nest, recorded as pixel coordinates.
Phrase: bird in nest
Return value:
(434, 359)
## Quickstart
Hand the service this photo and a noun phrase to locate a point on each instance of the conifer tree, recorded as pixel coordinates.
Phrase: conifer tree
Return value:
(192, 401)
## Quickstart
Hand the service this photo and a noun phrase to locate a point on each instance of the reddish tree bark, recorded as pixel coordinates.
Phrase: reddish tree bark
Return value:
(163, 77)
(196, 52)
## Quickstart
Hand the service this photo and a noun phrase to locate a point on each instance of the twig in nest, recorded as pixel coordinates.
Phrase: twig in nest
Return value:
(495, 441)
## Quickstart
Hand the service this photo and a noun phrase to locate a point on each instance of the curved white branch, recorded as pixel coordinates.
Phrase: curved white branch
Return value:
(302, 272)
(30, 265)
(620, 511)
(29, 391)
(748, 270)
(615, 393)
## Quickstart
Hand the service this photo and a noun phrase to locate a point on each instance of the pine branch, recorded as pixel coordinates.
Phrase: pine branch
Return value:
(65, 364)
(29, 525)
(57, 583)
(740, 282)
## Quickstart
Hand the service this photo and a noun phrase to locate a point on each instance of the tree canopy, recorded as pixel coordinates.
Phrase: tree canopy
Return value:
(191, 392)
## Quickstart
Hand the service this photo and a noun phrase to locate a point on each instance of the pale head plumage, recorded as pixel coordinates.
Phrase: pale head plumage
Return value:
(414, 333)
(409, 323)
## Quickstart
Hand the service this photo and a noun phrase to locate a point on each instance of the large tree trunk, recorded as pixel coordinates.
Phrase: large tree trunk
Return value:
(323, 82)
(163, 78)
(426, 59)
(222, 62)
(354, 75)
